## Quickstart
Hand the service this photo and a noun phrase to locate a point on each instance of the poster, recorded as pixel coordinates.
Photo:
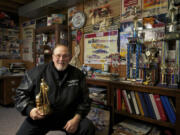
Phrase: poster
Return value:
(123, 45)
(153, 7)
(99, 46)
(154, 21)
(28, 40)
(128, 9)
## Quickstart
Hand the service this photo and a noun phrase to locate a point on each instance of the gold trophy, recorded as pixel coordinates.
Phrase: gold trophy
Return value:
(42, 102)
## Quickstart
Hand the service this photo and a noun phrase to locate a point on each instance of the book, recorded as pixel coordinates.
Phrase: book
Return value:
(123, 105)
(126, 101)
(155, 107)
(134, 102)
(119, 104)
(139, 103)
(140, 128)
(131, 101)
(160, 107)
(167, 109)
(155, 131)
(172, 104)
(149, 106)
(144, 106)
(173, 115)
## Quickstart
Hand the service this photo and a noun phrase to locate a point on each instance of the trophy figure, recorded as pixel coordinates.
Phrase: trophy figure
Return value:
(163, 67)
(42, 102)
(172, 32)
(163, 77)
(172, 12)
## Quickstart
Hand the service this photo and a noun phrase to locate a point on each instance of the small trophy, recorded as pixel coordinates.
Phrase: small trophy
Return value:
(172, 12)
(42, 102)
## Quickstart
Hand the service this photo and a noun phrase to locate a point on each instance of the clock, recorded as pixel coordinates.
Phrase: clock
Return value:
(78, 20)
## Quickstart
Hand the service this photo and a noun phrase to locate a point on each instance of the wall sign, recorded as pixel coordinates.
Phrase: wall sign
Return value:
(99, 46)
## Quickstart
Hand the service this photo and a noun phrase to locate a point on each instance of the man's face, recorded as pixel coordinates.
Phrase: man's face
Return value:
(61, 58)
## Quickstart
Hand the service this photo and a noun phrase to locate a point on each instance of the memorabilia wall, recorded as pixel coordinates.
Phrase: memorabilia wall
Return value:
(139, 23)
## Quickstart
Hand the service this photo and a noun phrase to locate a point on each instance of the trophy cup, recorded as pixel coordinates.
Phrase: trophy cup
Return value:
(133, 49)
(42, 102)
(174, 35)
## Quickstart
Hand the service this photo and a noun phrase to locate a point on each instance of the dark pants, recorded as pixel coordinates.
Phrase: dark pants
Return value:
(41, 127)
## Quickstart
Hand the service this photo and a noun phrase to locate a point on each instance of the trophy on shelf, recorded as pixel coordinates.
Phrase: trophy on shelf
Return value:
(151, 65)
(134, 49)
(172, 12)
(171, 40)
(42, 102)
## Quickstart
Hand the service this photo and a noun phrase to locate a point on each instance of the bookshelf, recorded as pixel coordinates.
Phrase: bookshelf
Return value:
(56, 33)
(101, 83)
(169, 92)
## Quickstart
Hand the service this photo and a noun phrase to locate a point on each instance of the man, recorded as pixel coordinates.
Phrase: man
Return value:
(67, 95)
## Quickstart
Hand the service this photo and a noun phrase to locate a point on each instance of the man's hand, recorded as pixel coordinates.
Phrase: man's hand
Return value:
(72, 125)
(35, 114)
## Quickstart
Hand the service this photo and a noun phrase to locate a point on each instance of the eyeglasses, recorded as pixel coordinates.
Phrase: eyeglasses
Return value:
(58, 56)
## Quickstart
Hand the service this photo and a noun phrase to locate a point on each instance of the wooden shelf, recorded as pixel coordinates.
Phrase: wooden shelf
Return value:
(147, 119)
(103, 83)
(49, 29)
(114, 85)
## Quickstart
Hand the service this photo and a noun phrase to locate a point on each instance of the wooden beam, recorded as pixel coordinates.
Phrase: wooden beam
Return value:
(8, 10)
(22, 2)
(9, 4)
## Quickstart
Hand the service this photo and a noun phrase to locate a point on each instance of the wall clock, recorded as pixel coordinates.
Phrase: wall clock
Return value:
(78, 20)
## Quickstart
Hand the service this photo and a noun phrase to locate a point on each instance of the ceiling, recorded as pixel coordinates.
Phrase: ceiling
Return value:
(35, 8)
(12, 6)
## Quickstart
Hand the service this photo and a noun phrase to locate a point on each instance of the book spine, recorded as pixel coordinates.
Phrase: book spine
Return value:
(154, 107)
(139, 103)
(119, 100)
(167, 109)
(172, 104)
(173, 115)
(134, 102)
(160, 107)
(123, 105)
(149, 106)
(131, 102)
(126, 101)
(144, 106)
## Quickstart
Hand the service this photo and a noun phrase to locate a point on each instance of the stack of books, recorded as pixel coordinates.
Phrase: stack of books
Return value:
(98, 95)
(131, 127)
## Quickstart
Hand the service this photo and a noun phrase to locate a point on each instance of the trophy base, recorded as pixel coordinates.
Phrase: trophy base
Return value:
(173, 86)
(45, 109)
(172, 36)
(162, 85)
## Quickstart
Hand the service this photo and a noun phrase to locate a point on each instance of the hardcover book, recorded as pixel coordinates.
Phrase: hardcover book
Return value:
(149, 106)
(139, 103)
(168, 109)
(160, 107)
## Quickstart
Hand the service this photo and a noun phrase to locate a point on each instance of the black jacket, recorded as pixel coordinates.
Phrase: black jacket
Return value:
(67, 96)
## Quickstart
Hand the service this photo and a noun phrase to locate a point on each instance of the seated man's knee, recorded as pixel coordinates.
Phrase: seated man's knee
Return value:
(87, 126)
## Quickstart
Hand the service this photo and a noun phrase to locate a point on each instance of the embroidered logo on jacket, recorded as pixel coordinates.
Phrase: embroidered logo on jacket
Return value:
(72, 82)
